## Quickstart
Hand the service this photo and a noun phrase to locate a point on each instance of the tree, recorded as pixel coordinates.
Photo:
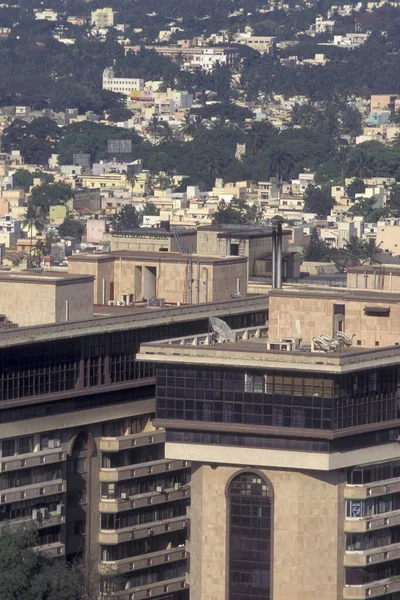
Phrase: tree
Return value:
(366, 208)
(317, 250)
(125, 219)
(71, 228)
(355, 246)
(149, 210)
(318, 200)
(237, 212)
(280, 164)
(28, 574)
(357, 186)
(393, 204)
(259, 135)
(50, 194)
(33, 219)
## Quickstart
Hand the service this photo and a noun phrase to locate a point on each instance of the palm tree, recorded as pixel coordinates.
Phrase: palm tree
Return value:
(371, 249)
(359, 165)
(132, 179)
(33, 218)
(355, 246)
(39, 250)
(280, 164)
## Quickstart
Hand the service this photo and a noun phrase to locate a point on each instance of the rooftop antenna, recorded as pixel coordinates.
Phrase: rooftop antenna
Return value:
(222, 330)
(326, 343)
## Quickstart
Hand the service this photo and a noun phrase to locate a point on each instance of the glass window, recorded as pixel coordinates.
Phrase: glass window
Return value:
(249, 498)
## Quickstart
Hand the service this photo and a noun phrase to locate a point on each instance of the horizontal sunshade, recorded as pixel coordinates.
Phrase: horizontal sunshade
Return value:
(377, 310)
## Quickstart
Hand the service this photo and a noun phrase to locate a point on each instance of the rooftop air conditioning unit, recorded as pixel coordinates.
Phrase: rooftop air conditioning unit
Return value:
(159, 488)
(35, 514)
(44, 512)
(156, 302)
(124, 495)
(111, 303)
(51, 444)
(121, 303)
(60, 509)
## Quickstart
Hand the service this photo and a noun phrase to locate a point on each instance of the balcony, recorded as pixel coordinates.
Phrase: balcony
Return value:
(362, 558)
(372, 590)
(361, 492)
(52, 520)
(141, 500)
(141, 470)
(35, 490)
(53, 550)
(33, 459)
(363, 524)
(135, 440)
(143, 561)
(137, 532)
(152, 589)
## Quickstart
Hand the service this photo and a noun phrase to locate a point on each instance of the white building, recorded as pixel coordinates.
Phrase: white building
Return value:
(121, 85)
(46, 14)
(102, 17)
(10, 231)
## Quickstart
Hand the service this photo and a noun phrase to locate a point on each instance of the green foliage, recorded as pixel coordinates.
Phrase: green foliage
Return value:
(318, 200)
(125, 219)
(393, 204)
(50, 194)
(91, 138)
(71, 228)
(237, 212)
(357, 186)
(31, 575)
(366, 208)
(317, 250)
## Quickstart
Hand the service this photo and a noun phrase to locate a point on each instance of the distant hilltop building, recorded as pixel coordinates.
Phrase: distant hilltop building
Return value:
(121, 85)
(102, 17)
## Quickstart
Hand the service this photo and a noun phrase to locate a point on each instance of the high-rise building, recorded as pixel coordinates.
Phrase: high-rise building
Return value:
(293, 440)
(80, 457)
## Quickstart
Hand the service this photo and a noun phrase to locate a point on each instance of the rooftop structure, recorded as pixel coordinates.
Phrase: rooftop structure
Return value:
(293, 439)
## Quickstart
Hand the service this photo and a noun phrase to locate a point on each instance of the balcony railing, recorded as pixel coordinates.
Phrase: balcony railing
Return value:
(142, 561)
(55, 549)
(152, 590)
(362, 558)
(50, 521)
(34, 490)
(370, 523)
(135, 440)
(137, 532)
(371, 490)
(372, 590)
(141, 470)
(141, 500)
(33, 459)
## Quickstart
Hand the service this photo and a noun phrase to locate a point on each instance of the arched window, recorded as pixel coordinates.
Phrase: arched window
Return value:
(250, 500)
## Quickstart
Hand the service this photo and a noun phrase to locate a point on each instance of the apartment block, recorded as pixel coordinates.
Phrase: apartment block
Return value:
(294, 448)
(80, 457)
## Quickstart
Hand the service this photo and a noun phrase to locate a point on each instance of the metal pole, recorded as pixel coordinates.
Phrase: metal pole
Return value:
(274, 259)
(198, 283)
(104, 290)
(279, 257)
(67, 310)
(365, 279)
(206, 283)
(190, 281)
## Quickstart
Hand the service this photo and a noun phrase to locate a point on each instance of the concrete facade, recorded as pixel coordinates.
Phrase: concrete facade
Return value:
(307, 519)
(372, 316)
(177, 278)
(35, 299)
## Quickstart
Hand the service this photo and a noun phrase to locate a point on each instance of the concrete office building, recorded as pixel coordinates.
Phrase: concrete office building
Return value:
(295, 476)
(128, 277)
(80, 456)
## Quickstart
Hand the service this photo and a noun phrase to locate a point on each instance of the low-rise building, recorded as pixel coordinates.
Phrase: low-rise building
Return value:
(30, 298)
(102, 17)
(125, 277)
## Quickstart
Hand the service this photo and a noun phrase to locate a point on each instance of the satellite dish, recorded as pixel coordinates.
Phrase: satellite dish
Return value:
(222, 329)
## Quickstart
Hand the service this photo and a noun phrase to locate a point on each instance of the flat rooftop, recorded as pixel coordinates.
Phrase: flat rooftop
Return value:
(132, 319)
(44, 278)
(338, 294)
(255, 355)
(145, 256)
(241, 231)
